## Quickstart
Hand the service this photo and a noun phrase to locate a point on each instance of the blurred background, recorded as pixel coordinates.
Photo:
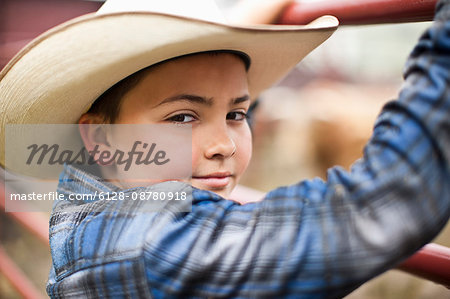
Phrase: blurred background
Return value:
(319, 116)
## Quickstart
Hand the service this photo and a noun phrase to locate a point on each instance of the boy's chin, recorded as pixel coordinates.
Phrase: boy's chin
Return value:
(223, 193)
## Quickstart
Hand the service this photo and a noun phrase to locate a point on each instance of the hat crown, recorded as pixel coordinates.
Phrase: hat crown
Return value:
(206, 10)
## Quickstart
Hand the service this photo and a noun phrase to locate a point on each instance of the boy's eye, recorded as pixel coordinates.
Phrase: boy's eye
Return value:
(236, 115)
(181, 118)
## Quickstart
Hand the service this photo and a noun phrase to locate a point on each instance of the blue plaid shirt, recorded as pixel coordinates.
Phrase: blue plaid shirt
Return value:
(314, 239)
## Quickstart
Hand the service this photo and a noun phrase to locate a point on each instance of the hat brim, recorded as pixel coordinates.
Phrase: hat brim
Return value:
(56, 78)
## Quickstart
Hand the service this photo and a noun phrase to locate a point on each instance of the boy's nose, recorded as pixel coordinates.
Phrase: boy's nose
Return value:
(219, 145)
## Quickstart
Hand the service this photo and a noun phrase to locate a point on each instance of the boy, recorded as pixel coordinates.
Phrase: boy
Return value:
(314, 239)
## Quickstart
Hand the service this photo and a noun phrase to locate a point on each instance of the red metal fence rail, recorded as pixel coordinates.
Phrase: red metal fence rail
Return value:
(18, 280)
(360, 12)
(431, 263)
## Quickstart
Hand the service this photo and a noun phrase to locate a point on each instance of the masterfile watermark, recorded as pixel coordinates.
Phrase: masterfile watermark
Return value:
(126, 156)
(52, 155)
(108, 196)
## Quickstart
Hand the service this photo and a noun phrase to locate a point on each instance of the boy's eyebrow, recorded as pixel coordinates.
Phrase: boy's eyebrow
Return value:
(189, 98)
(200, 99)
(241, 99)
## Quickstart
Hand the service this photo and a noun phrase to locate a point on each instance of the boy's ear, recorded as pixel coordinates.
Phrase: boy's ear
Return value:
(93, 133)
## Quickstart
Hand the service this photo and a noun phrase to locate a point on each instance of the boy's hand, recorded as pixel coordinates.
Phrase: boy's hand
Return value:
(248, 12)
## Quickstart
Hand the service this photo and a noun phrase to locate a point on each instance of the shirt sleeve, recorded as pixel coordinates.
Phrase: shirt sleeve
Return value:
(314, 239)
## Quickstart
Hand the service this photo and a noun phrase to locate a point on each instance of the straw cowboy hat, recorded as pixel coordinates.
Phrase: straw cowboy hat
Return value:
(57, 76)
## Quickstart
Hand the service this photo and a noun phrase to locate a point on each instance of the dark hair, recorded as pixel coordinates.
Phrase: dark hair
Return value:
(108, 104)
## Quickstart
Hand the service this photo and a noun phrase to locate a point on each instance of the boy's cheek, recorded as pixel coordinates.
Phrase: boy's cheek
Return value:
(195, 156)
(244, 149)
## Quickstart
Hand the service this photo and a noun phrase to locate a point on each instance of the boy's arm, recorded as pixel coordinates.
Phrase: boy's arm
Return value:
(314, 239)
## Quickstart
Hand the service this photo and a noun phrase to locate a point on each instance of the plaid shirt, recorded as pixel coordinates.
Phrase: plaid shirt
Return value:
(314, 239)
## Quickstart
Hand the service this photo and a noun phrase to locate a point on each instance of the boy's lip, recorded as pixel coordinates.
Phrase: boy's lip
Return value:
(216, 180)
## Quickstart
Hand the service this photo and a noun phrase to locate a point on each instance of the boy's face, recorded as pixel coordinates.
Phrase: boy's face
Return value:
(210, 93)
